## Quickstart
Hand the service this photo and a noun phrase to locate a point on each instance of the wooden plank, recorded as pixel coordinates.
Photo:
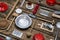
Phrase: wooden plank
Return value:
(12, 9)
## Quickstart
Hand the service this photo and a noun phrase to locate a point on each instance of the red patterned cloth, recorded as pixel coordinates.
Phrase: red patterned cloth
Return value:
(3, 7)
(38, 37)
(51, 2)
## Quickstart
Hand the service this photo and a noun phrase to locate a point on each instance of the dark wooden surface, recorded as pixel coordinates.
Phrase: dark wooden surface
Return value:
(34, 28)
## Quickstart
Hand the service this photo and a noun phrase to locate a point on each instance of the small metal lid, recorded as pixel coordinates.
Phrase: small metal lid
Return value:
(18, 10)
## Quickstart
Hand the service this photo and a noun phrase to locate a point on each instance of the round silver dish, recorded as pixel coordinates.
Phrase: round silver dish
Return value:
(23, 21)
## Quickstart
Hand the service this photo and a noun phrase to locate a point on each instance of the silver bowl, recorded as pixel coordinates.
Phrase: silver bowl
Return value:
(23, 21)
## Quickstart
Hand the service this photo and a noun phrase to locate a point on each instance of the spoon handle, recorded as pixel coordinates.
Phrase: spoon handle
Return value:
(56, 35)
(22, 3)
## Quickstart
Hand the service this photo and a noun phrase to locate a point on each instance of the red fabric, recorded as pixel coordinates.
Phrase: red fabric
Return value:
(1, 38)
(58, 3)
(35, 9)
(38, 37)
(3, 7)
(51, 2)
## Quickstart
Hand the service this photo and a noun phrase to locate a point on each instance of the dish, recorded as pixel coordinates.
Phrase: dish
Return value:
(29, 5)
(48, 25)
(23, 21)
(18, 10)
(44, 12)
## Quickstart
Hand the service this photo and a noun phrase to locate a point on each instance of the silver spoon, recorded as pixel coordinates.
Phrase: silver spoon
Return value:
(7, 38)
(22, 3)
(58, 27)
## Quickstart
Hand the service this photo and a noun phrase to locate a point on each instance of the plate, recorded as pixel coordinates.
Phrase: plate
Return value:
(23, 21)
